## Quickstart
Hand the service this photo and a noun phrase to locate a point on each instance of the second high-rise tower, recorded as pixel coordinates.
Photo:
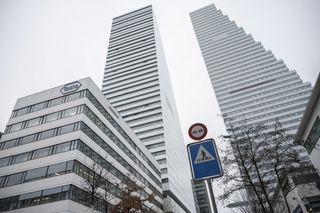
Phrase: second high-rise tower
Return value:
(137, 83)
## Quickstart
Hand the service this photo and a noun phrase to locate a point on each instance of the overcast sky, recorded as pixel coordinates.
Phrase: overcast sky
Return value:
(47, 43)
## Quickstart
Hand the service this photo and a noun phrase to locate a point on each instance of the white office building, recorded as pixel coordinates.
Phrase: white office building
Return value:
(51, 141)
(137, 83)
(250, 84)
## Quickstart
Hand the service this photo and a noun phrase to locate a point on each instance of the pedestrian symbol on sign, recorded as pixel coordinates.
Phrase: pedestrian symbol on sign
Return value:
(203, 156)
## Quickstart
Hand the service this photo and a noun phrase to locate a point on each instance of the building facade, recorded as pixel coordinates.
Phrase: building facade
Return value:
(308, 133)
(137, 84)
(250, 84)
(51, 144)
(201, 198)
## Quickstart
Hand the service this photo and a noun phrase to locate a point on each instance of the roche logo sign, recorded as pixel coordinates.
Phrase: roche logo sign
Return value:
(71, 87)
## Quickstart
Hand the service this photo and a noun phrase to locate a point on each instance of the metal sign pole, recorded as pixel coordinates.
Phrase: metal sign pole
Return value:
(213, 202)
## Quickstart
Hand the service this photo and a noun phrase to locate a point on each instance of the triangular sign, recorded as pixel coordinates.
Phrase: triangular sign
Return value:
(203, 156)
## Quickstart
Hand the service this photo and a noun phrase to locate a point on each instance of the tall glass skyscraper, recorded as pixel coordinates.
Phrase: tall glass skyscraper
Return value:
(137, 84)
(249, 82)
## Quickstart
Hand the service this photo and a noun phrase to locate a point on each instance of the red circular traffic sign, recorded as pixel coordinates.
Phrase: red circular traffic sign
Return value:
(197, 131)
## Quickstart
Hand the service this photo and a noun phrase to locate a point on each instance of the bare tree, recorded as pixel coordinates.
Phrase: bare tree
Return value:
(100, 184)
(256, 156)
(130, 199)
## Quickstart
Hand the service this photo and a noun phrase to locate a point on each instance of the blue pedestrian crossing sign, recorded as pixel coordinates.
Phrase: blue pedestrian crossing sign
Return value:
(204, 160)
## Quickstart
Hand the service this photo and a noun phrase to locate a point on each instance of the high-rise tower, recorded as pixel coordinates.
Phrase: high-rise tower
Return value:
(137, 84)
(249, 82)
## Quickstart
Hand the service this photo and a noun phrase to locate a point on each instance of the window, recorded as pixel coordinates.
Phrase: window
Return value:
(33, 122)
(165, 180)
(35, 174)
(47, 134)
(66, 129)
(56, 101)
(164, 171)
(4, 161)
(15, 179)
(70, 112)
(162, 161)
(22, 111)
(64, 147)
(51, 195)
(57, 169)
(21, 158)
(39, 106)
(74, 96)
(30, 199)
(42, 152)
(16, 127)
(51, 117)
(9, 144)
(27, 139)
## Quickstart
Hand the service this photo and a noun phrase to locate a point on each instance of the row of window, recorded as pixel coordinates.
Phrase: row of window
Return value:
(47, 104)
(119, 159)
(155, 145)
(129, 99)
(117, 27)
(158, 129)
(44, 119)
(122, 79)
(133, 86)
(253, 72)
(236, 72)
(291, 87)
(148, 117)
(152, 138)
(38, 173)
(236, 52)
(68, 146)
(269, 108)
(135, 51)
(116, 141)
(131, 16)
(128, 63)
(248, 63)
(49, 195)
(256, 76)
(139, 107)
(150, 87)
(130, 33)
(126, 44)
(264, 103)
(38, 153)
(273, 113)
(132, 80)
(149, 124)
(60, 168)
(39, 136)
(134, 115)
(146, 97)
(68, 128)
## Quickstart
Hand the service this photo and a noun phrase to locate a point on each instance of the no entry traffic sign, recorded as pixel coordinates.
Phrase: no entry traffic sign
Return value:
(198, 131)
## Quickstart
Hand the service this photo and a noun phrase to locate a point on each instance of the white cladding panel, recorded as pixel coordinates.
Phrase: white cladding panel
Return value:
(138, 85)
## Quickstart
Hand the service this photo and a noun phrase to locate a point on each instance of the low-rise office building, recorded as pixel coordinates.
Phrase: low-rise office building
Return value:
(51, 143)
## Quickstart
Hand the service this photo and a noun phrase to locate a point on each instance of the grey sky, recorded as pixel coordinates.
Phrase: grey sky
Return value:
(46, 43)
